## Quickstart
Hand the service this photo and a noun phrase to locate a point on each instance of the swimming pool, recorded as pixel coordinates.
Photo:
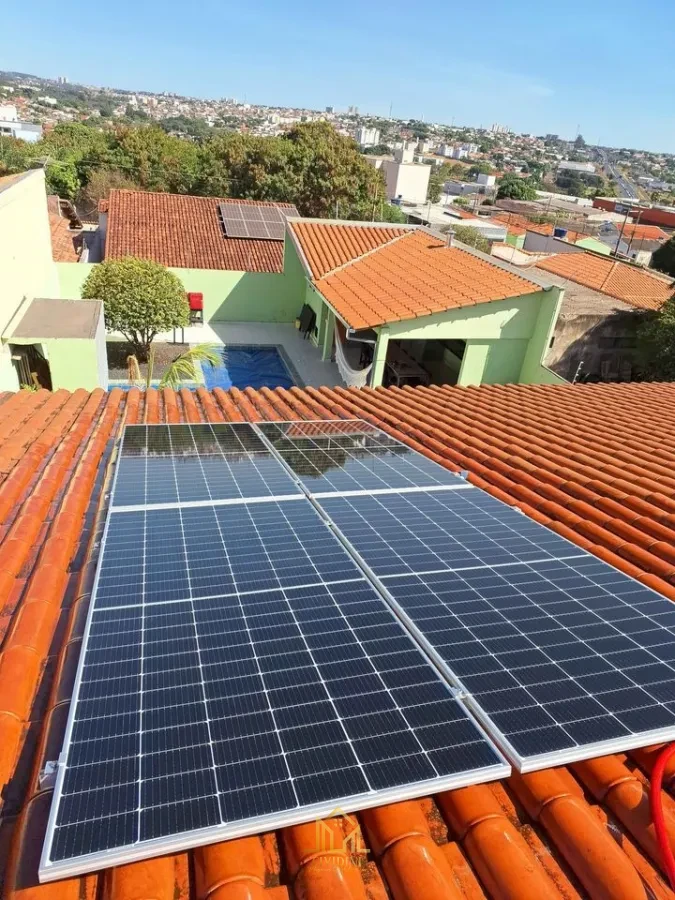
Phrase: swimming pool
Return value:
(250, 366)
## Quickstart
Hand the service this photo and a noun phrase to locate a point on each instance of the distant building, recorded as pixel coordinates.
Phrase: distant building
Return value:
(22, 131)
(330, 109)
(486, 180)
(459, 153)
(568, 165)
(368, 137)
(62, 79)
(407, 182)
(499, 129)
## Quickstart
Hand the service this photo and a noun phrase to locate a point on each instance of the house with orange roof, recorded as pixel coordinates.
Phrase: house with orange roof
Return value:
(432, 309)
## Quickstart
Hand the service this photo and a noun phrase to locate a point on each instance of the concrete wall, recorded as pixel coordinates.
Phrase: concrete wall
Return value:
(546, 243)
(26, 266)
(77, 363)
(228, 296)
(594, 330)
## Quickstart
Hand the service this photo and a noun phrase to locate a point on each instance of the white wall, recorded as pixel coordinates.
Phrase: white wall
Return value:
(27, 269)
(407, 180)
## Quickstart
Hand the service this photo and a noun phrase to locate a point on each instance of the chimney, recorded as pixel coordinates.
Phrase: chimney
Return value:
(450, 238)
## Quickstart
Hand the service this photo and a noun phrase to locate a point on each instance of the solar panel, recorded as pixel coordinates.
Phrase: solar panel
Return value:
(167, 464)
(242, 220)
(351, 455)
(561, 656)
(239, 673)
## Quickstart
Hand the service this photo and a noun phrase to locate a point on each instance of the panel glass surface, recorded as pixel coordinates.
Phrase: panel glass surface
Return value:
(351, 455)
(201, 462)
(240, 672)
(560, 655)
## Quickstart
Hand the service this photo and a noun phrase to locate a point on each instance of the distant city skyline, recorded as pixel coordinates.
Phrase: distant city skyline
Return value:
(534, 69)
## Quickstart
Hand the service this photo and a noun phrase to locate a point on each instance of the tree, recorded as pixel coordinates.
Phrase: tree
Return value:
(472, 237)
(99, 185)
(61, 179)
(435, 188)
(664, 258)
(391, 213)
(513, 188)
(579, 142)
(140, 298)
(656, 343)
(481, 168)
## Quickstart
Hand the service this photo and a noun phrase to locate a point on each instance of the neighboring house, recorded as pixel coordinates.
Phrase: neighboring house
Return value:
(633, 241)
(242, 279)
(592, 462)
(604, 302)
(62, 344)
(405, 180)
(10, 126)
(459, 314)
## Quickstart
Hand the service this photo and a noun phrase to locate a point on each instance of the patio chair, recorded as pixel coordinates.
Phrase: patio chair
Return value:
(307, 320)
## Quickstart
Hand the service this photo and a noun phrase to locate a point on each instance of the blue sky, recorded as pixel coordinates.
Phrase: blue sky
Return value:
(534, 66)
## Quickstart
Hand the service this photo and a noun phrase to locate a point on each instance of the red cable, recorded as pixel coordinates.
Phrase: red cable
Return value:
(655, 801)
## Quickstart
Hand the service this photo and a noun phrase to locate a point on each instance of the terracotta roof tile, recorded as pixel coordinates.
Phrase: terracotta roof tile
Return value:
(184, 231)
(643, 232)
(609, 276)
(65, 243)
(416, 275)
(328, 246)
(566, 833)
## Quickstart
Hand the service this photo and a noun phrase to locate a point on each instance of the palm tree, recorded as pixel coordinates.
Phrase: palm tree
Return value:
(183, 368)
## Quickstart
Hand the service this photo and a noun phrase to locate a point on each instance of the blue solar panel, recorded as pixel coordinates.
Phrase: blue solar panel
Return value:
(239, 673)
(351, 455)
(196, 463)
(562, 656)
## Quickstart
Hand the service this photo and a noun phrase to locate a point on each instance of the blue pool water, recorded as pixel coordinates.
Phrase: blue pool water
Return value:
(248, 366)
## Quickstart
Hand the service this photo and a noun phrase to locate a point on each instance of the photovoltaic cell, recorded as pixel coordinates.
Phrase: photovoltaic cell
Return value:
(560, 655)
(351, 455)
(240, 673)
(242, 220)
(200, 462)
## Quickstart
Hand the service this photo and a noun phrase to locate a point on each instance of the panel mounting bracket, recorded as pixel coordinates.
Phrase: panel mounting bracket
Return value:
(47, 776)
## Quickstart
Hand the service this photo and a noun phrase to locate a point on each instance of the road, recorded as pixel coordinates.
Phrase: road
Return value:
(623, 187)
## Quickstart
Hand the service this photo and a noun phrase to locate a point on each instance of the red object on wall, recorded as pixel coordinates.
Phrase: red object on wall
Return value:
(196, 301)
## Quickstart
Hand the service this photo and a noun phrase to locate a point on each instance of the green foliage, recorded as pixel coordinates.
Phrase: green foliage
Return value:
(99, 185)
(436, 182)
(185, 367)
(513, 188)
(62, 179)
(313, 166)
(462, 201)
(391, 213)
(664, 258)
(140, 298)
(656, 343)
(472, 237)
(481, 168)
(579, 142)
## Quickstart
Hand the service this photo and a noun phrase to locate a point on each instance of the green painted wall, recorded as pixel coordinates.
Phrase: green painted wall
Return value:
(533, 370)
(228, 296)
(73, 363)
(515, 240)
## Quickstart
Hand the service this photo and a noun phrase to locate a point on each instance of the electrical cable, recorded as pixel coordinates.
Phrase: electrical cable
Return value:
(656, 804)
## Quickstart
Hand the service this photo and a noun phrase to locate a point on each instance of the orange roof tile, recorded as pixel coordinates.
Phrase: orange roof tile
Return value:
(643, 232)
(609, 276)
(64, 241)
(593, 462)
(328, 246)
(416, 275)
(184, 231)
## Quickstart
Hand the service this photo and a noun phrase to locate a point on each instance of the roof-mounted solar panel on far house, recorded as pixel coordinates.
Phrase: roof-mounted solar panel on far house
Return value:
(243, 220)
(240, 672)
(561, 656)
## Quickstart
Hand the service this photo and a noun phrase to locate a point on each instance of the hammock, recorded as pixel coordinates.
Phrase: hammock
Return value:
(351, 377)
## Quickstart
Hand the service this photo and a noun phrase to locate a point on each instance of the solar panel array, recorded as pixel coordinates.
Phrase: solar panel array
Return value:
(239, 672)
(242, 220)
(273, 609)
(348, 455)
(562, 657)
